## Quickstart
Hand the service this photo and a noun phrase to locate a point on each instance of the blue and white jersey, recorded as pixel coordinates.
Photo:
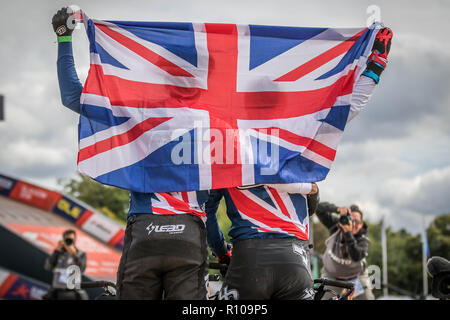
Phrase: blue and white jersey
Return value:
(258, 212)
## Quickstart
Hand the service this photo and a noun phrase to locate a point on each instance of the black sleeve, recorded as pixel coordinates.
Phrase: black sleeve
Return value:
(214, 235)
(51, 261)
(80, 260)
(325, 212)
(69, 84)
(313, 201)
(357, 249)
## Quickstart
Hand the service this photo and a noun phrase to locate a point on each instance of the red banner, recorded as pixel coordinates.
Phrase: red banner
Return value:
(101, 260)
(35, 196)
(89, 220)
(15, 287)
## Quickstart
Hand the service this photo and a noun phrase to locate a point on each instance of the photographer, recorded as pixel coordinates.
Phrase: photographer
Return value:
(65, 255)
(347, 245)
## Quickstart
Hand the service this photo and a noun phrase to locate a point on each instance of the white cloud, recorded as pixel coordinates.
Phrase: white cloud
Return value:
(426, 193)
(405, 191)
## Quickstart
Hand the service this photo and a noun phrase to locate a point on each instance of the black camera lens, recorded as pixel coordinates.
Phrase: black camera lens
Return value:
(68, 241)
(345, 220)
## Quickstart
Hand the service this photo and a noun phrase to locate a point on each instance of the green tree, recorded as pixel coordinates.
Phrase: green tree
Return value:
(112, 201)
(224, 225)
(404, 253)
(439, 236)
(223, 220)
(374, 233)
(320, 234)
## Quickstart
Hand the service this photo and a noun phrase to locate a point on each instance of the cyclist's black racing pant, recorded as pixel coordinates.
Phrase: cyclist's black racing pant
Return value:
(164, 257)
(263, 269)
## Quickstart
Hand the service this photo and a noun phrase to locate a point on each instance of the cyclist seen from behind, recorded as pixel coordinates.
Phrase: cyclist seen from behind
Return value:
(270, 223)
(165, 251)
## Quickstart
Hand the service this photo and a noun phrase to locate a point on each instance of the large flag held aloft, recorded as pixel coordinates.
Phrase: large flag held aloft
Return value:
(195, 106)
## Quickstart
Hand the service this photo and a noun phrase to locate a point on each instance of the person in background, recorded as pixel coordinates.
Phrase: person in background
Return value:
(346, 248)
(66, 254)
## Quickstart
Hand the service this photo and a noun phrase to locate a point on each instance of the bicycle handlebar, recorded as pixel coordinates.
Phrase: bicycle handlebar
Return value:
(217, 265)
(104, 284)
(97, 284)
(325, 282)
(335, 283)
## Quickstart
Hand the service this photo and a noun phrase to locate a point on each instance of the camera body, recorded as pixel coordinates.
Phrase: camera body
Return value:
(68, 241)
(345, 220)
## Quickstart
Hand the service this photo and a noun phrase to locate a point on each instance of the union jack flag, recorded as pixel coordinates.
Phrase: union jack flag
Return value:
(154, 86)
(265, 210)
(169, 203)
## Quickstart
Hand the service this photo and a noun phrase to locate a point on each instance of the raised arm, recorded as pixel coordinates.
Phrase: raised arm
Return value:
(371, 76)
(69, 84)
(325, 212)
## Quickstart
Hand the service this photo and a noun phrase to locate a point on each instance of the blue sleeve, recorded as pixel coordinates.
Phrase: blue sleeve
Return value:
(69, 84)
(216, 240)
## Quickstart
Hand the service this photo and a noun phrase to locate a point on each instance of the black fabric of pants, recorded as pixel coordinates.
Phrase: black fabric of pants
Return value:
(263, 269)
(164, 257)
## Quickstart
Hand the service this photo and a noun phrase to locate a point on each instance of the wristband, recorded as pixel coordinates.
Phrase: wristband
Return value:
(305, 188)
(372, 75)
(296, 187)
(64, 38)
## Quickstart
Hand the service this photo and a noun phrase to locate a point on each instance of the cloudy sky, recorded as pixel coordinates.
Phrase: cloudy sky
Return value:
(393, 159)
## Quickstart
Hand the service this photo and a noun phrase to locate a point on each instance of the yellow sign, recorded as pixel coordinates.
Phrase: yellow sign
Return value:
(65, 206)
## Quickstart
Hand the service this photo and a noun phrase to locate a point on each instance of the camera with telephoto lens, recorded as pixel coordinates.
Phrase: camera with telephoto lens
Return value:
(345, 220)
(68, 241)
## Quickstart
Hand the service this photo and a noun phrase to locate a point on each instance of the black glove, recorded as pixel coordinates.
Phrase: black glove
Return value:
(313, 203)
(383, 42)
(224, 257)
(63, 22)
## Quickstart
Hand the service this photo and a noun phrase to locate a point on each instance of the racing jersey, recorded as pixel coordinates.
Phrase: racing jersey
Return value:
(140, 203)
(259, 212)
(180, 203)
